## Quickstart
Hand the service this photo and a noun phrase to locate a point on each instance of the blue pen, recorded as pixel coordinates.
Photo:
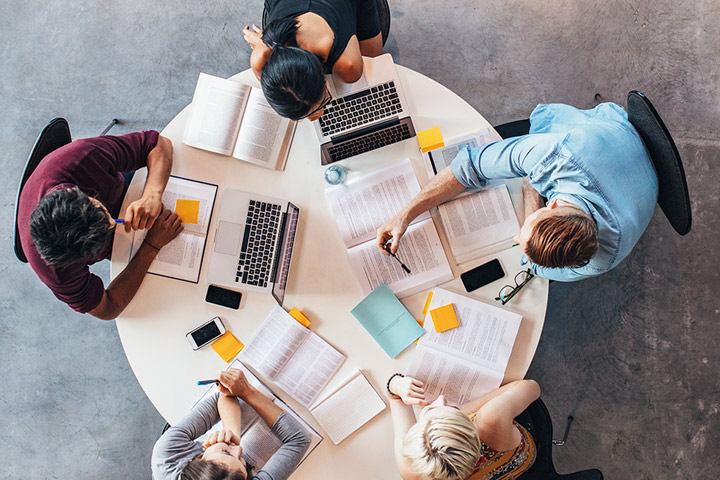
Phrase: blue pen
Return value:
(119, 220)
(207, 382)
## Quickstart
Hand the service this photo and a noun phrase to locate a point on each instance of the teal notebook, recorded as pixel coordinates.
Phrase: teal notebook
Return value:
(387, 321)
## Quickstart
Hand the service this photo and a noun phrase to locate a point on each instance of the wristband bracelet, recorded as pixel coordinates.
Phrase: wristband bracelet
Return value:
(151, 245)
(390, 393)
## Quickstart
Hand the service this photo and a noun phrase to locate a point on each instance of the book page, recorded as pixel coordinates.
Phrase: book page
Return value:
(485, 336)
(460, 381)
(274, 342)
(309, 369)
(420, 250)
(182, 257)
(362, 205)
(216, 112)
(348, 408)
(259, 444)
(439, 158)
(263, 133)
(478, 221)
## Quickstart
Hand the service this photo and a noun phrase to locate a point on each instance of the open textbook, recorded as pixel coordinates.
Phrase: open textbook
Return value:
(292, 356)
(257, 441)
(364, 204)
(439, 158)
(231, 118)
(182, 257)
(348, 408)
(468, 361)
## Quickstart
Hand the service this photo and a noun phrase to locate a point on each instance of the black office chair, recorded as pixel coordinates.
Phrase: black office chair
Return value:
(673, 197)
(383, 12)
(53, 136)
(537, 420)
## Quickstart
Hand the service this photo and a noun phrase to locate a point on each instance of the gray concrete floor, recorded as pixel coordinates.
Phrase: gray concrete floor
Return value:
(633, 355)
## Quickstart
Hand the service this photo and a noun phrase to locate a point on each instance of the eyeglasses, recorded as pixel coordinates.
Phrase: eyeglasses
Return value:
(328, 99)
(508, 291)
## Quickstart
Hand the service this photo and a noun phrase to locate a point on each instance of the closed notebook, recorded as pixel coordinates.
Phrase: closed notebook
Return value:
(348, 408)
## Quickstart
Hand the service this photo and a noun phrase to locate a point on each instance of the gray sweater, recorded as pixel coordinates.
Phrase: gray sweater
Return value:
(177, 446)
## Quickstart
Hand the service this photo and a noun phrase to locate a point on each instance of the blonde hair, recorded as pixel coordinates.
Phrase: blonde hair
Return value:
(446, 447)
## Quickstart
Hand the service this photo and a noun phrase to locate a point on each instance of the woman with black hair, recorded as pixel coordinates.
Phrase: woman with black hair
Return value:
(303, 41)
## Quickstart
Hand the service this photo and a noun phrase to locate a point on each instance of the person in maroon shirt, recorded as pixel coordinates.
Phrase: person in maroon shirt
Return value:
(66, 217)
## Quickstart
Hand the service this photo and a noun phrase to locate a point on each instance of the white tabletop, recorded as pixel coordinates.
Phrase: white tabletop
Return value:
(153, 327)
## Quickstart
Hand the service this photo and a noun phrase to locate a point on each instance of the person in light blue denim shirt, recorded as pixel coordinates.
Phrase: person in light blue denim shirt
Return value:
(592, 168)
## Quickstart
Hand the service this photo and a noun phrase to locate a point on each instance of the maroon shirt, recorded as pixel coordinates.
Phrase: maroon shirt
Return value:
(95, 166)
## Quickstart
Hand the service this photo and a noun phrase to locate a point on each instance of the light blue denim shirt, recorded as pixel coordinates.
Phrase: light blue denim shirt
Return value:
(594, 159)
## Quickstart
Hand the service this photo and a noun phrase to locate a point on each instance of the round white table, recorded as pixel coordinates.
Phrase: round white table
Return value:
(321, 285)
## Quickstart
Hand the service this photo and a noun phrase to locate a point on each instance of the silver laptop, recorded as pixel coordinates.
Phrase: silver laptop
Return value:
(368, 114)
(253, 243)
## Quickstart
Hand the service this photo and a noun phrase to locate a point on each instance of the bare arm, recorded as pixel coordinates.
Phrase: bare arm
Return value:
(497, 409)
(349, 65)
(260, 51)
(531, 198)
(121, 291)
(441, 188)
(230, 413)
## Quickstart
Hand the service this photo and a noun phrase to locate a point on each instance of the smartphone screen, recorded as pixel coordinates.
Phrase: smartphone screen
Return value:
(207, 333)
(223, 297)
(482, 275)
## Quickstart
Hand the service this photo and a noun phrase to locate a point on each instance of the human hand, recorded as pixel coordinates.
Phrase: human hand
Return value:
(142, 213)
(253, 36)
(233, 382)
(221, 436)
(167, 226)
(410, 390)
(392, 230)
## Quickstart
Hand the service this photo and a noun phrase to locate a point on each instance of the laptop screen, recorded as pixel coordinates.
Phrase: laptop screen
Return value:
(287, 241)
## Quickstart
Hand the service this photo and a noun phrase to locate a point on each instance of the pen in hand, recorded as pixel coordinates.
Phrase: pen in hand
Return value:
(207, 382)
(387, 249)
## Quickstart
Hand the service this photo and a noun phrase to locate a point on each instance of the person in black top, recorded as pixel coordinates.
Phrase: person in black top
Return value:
(306, 39)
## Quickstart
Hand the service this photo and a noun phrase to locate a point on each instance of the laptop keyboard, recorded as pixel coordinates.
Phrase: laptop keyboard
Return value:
(261, 229)
(371, 141)
(360, 108)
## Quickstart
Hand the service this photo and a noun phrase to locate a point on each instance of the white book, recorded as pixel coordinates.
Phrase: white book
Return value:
(348, 408)
(468, 361)
(182, 257)
(439, 158)
(292, 356)
(364, 204)
(256, 438)
(234, 119)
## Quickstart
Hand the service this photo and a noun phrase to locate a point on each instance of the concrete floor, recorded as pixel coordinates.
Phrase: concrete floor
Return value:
(633, 354)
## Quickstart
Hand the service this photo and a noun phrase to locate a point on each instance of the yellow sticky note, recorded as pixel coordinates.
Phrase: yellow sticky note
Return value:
(297, 315)
(187, 210)
(421, 323)
(444, 318)
(427, 303)
(227, 346)
(430, 139)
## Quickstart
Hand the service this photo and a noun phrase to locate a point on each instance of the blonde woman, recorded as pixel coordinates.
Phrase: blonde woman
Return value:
(479, 440)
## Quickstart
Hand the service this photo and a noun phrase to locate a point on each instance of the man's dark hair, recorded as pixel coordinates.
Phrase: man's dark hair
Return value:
(292, 79)
(66, 227)
(199, 469)
(560, 241)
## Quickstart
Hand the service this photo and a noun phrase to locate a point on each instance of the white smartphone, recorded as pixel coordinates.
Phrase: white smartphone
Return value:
(206, 333)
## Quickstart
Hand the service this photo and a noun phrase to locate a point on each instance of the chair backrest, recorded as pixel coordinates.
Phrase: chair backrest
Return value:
(53, 136)
(536, 419)
(383, 13)
(673, 198)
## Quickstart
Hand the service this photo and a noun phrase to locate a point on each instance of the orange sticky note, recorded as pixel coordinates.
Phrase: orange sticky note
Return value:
(430, 139)
(421, 323)
(427, 303)
(187, 210)
(297, 315)
(227, 346)
(444, 318)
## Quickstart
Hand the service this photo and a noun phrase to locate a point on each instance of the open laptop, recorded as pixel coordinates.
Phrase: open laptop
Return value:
(368, 114)
(254, 242)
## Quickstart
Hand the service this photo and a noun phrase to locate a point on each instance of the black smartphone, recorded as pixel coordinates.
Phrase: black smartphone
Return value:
(223, 297)
(482, 275)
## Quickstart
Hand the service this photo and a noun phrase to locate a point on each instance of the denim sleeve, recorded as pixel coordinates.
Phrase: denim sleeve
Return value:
(556, 274)
(509, 158)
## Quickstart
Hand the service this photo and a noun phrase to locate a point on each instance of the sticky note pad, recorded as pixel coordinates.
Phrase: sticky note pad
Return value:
(444, 318)
(187, 210)
(297, 315)
(227, 346)
(427, 304)
(430, 139)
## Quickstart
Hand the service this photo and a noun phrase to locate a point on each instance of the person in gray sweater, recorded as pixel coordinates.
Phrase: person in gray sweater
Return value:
(177, 456)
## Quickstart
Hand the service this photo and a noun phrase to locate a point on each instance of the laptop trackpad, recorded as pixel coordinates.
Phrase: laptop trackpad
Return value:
(228, 237)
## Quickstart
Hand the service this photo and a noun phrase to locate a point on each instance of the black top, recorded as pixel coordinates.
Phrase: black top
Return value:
(345, 18)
